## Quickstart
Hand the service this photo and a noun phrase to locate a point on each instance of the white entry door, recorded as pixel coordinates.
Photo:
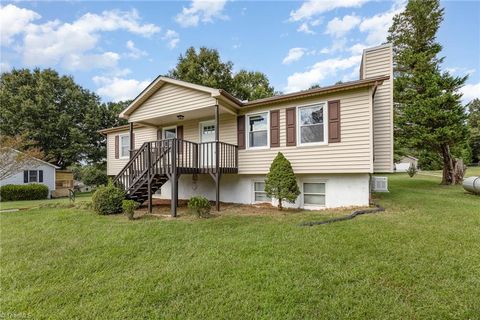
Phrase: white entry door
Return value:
(207, 150)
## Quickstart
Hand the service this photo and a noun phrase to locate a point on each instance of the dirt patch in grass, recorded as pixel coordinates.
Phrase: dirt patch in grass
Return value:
(161, 209)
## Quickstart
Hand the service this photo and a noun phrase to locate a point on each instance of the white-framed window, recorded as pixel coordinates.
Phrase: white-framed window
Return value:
(32, 176)
(257, 130)
(314, 194)
(169, 132)
(312, 128)
(259, 194)
(124, 145)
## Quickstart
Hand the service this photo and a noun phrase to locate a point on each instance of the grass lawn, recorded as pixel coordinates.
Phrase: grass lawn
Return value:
(28, 204)
(418, 260)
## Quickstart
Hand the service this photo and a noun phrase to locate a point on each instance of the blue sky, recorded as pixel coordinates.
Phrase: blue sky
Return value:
(117, 48)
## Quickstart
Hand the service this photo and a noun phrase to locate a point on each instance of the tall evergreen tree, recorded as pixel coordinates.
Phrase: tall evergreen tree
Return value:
(428, 112)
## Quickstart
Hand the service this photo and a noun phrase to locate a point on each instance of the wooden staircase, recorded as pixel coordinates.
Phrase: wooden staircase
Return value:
(157, 162)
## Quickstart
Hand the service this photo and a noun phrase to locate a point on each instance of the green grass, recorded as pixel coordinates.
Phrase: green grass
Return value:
(418, 260)
(28, 204)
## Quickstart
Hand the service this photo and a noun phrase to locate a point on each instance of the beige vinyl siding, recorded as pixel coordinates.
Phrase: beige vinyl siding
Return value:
(141, 135)
(171, 99)
(352, 154)
(378, 62)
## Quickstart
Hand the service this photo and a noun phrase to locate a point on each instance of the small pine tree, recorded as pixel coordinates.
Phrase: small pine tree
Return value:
(412, 170)
(281, 182)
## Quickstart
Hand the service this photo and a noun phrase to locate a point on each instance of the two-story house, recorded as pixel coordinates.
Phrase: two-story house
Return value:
(185, 139)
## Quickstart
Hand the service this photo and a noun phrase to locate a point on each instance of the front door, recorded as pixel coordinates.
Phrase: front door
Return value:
(207, 150)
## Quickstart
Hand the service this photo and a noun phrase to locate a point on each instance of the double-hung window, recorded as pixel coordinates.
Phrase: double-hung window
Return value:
(313, 194)
(259, 192)
(170, 133)
(311, 124)
(32, 176)
(257, 126)
(124, 146)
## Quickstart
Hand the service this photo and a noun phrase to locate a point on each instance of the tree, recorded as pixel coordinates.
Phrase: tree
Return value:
(281, 183)
(251, 85)
(428, 112)
(17, 154)
(474, 127)
(94, 176)
(61, 117)
(206, 68)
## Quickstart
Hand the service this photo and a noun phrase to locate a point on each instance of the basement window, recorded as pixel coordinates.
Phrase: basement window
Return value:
(259, 192)
(313, 194)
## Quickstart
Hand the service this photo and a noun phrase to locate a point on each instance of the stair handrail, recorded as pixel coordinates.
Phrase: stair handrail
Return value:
(129, 163)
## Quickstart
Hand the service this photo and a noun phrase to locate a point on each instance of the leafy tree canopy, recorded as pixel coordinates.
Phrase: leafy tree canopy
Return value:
(205, 67)
(474, 126)
(61, 117)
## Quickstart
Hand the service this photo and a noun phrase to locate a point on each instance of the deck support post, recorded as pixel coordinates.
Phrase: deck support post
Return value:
(149, 177)
(174, 181)
(217, 174)
(132, 141)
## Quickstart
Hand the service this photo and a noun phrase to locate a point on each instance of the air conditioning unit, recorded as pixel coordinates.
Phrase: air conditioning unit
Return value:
(379, 184)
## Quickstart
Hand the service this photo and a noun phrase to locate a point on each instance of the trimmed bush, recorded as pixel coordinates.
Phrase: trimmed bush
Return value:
(199, 206)
(108, 200)
(129, 207)
(281, 183)
(15, 192)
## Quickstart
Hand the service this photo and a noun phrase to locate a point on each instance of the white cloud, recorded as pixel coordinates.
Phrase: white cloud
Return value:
(470, 92)
(357, 48)
(312, 8)
(5, 67)
(118, 89)
(460, 70)
(172, 38)
(134, 52)
(294, 54)
(13, 20)
(319, 71)
(201, 11)
(339, 27)
(74, 45)
(304, 27)
(337, 45)
(377, 26)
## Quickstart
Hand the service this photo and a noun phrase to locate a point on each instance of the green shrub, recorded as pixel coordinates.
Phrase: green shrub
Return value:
(15, 192)
(281, 183)
(412, 170)
(108, 199)
(199, 206)
(129, 207)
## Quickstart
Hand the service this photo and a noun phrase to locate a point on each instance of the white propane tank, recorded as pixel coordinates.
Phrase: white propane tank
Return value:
(472, 184)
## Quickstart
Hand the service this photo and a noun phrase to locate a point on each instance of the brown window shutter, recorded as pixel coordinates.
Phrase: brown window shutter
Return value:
(241, 132)
(334, 121)
(159, 134)
(275, 128)
(117, 151)
(180, 137)
(180, 132)
(291, 128)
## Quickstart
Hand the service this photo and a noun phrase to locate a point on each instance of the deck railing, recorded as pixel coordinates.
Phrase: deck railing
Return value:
(177, 156)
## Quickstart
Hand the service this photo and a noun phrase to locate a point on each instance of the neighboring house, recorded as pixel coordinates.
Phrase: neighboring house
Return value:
(185, 139)
(43, 172)
(405, 163)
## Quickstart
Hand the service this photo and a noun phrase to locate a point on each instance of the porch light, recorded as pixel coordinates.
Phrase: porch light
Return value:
(180, 117)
